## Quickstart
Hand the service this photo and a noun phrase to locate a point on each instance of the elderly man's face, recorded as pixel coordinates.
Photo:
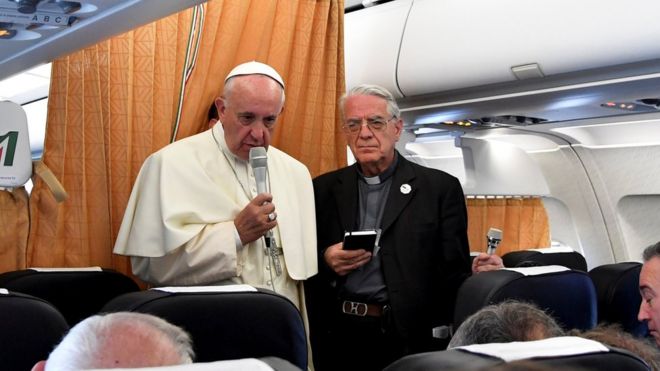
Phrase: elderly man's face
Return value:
(372, 148)
(649, 286)
(248, 113)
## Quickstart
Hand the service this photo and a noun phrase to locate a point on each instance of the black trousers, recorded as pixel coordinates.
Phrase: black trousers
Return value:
(359, 343)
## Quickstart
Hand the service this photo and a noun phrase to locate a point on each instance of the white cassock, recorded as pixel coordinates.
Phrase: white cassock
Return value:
(179, 229)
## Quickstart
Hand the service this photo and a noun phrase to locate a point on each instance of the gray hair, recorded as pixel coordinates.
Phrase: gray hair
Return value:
(373, 90)
(506, 322)
(613, 335)
(651, 252)
(83, 344)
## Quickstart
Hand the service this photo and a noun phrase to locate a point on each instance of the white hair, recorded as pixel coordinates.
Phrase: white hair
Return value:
(87, 340)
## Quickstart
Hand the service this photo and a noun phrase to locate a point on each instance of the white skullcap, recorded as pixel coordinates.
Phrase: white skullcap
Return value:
(255, 68)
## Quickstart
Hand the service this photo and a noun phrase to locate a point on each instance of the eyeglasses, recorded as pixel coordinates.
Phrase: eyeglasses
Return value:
(374, 123)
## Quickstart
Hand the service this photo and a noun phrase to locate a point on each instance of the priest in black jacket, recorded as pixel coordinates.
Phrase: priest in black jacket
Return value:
(370, 306)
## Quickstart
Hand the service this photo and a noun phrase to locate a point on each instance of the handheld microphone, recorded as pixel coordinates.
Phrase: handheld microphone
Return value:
(259, 165)
(494, 238)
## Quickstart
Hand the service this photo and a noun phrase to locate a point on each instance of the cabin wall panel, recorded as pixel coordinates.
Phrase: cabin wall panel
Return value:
(639, 226)
(573, 209)
(620, 172)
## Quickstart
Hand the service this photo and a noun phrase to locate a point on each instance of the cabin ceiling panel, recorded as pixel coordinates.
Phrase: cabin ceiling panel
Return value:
(38, 31)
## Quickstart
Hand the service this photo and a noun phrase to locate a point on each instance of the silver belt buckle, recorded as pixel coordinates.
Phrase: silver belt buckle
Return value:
(356, 309)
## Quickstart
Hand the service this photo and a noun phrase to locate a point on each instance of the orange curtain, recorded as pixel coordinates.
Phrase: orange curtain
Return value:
(523, 222)
(114, 103)
(110, 105)
(14, 220)
(303, 41)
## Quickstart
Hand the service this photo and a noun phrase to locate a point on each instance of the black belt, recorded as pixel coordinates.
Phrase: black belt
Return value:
(364, 309)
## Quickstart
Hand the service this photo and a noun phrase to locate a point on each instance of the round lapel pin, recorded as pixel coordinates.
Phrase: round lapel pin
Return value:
(405, 189)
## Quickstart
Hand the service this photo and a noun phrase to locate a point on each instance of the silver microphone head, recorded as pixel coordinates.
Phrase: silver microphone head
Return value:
(494, 234)
(258, 157)
(494, 237)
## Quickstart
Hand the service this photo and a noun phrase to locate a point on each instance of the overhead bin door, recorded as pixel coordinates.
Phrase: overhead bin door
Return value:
(372, 39)
(452, 44)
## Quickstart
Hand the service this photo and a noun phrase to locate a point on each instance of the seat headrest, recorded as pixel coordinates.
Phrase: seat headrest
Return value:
(564, 256)
(194, 289)
(538, 270)
(558, 353)
(76, 292)
(66, 269)
(552, 347)
(568, 295)
(244, 364)
(262, 322)
(15, 155)
(30, 328)
(617, 288)
(553, 249)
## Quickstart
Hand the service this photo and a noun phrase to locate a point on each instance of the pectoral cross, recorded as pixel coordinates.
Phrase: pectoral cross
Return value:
(271, 247)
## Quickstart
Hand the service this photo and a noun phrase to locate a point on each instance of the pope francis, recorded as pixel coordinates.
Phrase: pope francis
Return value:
(194, 216)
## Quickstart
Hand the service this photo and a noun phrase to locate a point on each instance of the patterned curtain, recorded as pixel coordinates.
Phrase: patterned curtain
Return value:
(114, 103)
(110, 105)
(15, 222)
(303, 40)
(523, 222)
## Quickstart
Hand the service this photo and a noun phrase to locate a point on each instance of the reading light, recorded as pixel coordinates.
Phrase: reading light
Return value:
(5, 31)
(631, 106)
(32, 13)
(27, 6)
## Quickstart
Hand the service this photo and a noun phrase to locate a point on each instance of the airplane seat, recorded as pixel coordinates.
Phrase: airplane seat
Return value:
(15, 171)
(617, 290)
(15, 154)
(76, 292)
(243, 364)
(30, 328)
(568, 295)
(564, 352)
(226, 322)
(563, 256)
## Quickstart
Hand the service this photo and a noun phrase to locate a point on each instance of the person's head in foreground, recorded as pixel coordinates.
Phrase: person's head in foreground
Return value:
(614, 336)
(649, 287)
(122, 339)
(506, 322)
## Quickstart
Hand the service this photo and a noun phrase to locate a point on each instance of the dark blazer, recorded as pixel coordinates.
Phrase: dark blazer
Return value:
(424, 245)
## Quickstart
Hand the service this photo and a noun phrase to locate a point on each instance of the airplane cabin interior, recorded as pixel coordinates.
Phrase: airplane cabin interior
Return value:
(548, 113)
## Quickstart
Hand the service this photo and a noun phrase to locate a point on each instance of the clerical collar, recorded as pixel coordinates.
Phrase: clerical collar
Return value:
(377, 179)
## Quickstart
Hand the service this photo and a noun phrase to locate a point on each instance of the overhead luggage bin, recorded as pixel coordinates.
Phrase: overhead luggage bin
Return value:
(372, 45)
(456, 44)
(514, 63)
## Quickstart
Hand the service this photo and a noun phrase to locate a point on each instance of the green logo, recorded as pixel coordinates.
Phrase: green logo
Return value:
(12, 138)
